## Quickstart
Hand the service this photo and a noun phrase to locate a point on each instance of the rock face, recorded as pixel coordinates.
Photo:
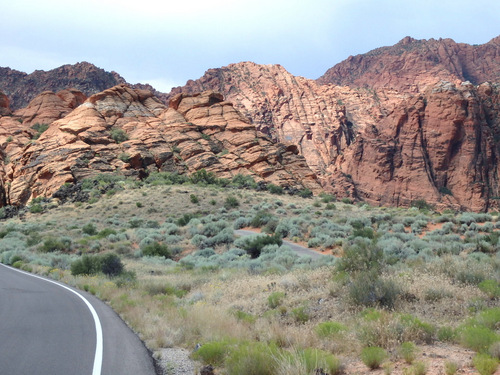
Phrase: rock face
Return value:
(194, 132)
(413, 65)
(22, 88)
(380, 145)
(4, 105)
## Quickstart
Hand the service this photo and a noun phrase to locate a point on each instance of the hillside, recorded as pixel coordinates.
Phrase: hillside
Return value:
(405, 275)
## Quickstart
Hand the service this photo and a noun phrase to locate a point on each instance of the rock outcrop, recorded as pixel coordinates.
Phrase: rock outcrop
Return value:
(22, 88)
(413, 65)
(194, 132)
(4, 105)
(380, 145)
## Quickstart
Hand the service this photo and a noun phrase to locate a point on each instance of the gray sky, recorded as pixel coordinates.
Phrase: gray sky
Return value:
(165, 43)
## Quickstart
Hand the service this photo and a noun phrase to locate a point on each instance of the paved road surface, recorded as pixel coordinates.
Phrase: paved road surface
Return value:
(299, 250)
(46, 329)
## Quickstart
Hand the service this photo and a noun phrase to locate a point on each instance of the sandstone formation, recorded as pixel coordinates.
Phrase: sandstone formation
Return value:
(379, 145)
(194, 132)
(4, 104)
(413, 65)
(22, 88)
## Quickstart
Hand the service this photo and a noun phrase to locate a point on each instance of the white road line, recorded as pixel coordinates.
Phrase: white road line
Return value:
(98, 328)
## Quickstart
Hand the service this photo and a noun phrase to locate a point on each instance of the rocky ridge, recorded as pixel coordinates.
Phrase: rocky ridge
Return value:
(194, 132)
(413, 65)
(22, 88)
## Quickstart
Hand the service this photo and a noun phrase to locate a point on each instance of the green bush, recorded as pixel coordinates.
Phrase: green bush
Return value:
(484, 364)
(300, 314)
(157, 249)
(202, 177)
(316, 359)
(275, 299)
(450, 368)
(89, 229)
(305, 193)
(118, 135)
(39, 128)
(109, 264)
(373, 356)
(86, 265)
(491, 288)
(36, 208)
(446, 334)
(361, 255)
(419, 368)
(408, 351)
(477, 338)
(231, 202)
(367, 289)
(330, 329)
(194, 199)
(213, 353)
(52, 244)
(275, 189)
(253, 245)
(255, 358)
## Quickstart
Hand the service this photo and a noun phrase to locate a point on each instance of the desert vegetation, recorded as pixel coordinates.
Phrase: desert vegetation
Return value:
(392, 285)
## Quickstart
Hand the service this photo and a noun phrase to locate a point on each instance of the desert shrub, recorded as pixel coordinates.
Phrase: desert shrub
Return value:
(170, 228)
(185, 219)
(373, 356)
(52, 244)
(231, 202)
(36, 208)
(484, 364)
(419, 368)
(157, 249)
(86, 265)
(360, 256)
(477, 338)
(275, 189)
(275, 299)
(213, 353)
(446, 334)
(253, 358)
(305, 193)
(135, 222)
(316, 359)
(261, 218)
(450, 368)
(330, 329)
(111, 264)
(300, 314)
(118, 135)
(421, 204)
(416, 329)
(39, 128)
(243, 182)
(202, 177)
(254, 244)
(491, 288)
(367, 289)
(408, 351)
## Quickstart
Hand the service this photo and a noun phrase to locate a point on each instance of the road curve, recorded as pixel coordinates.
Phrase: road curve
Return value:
(299, 250)
(47, 328)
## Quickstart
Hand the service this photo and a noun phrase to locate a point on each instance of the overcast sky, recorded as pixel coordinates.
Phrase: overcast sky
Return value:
(165, 43)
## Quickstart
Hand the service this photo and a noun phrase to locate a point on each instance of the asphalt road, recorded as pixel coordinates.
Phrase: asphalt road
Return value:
(50, 329)
(299, 250)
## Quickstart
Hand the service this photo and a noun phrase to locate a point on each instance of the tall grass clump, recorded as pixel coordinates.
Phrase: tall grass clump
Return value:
(373, 356)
